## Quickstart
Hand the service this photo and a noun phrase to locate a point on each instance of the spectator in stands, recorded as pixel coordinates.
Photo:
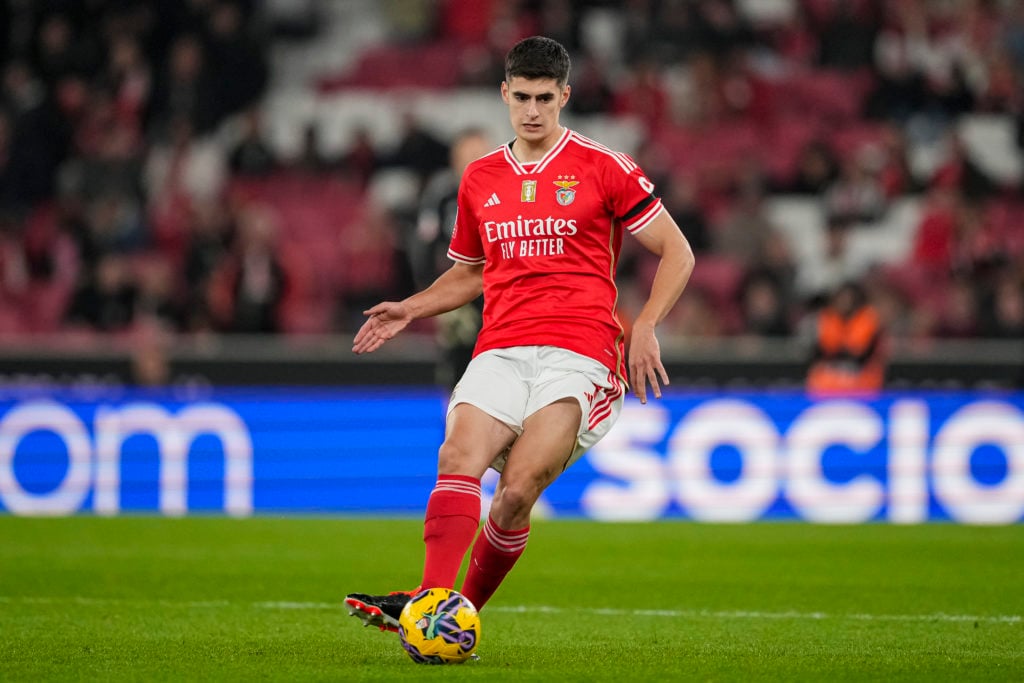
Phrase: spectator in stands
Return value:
(894, 175)
(591, 93)
(979, 250)
(720, 28)
(237, 62)
(185, 89)
(816, 170)
(14, 275)
(957, 316)
(418, 149)
(959, 171)
(933, 244)
(681, 201)
(210, 233)
(129, 76)
(157, 303)
(366, 269)
(560, 20)
(361, 160)
(41, 131)
(900, 91)
(179, 170)
(59, 51)
(900, 314)
(1012, 35)
(746, 228)
(1002, 310)
(642, 95)
(150, 364)
(825, 272)
(105, 299)
(312, 158)
(847, 39)
(251, 155)
(10, 197)
(115, 224)
(696, 316)
(848, 354)
(109, 157)
(857, 195)
(7, 15)
(250, 289)
(763, 305)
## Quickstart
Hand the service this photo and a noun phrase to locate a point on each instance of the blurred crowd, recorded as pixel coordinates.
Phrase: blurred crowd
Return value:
(123, 205)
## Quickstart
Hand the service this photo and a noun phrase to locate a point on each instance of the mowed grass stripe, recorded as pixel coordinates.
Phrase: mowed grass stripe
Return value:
(536, 609)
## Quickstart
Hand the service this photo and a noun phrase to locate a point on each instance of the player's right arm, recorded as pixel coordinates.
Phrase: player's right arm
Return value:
(457, 286)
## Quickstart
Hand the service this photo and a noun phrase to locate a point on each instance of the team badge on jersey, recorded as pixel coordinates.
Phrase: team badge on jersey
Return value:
(565, 194)
(529, 192)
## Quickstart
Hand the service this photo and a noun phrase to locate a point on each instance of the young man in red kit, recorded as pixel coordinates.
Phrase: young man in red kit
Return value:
(538, 231)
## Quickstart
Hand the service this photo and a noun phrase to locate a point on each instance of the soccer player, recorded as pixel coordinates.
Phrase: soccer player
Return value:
(538, 231)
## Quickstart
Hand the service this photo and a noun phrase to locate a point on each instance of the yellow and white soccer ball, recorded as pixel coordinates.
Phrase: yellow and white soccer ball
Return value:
(439, 626)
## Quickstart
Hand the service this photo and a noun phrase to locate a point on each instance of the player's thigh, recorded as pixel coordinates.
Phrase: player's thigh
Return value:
(544, 448)
(472, 440)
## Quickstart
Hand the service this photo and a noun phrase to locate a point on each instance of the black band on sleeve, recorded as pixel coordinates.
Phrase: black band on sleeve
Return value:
(640, 208)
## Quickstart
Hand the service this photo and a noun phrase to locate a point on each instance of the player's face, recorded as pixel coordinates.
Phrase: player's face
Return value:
(534, 106)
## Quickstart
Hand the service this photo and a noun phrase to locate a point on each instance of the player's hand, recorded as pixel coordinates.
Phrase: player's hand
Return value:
(645, 363)
(385, 321)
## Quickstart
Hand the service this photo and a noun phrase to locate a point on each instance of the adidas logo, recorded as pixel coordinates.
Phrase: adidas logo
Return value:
(493, 201)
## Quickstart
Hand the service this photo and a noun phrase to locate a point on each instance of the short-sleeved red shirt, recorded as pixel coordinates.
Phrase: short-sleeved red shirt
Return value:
(548, 235)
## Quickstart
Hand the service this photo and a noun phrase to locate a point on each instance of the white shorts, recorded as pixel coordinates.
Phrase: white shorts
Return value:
(513, 383)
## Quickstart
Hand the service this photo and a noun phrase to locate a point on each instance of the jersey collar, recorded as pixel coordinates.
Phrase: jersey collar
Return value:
(533, 168)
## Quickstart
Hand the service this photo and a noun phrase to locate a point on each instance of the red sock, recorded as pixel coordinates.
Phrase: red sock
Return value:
(494, 553)
(453, 515)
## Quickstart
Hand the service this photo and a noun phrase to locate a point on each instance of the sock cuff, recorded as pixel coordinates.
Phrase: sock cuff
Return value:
(458, 483)
(504, 540)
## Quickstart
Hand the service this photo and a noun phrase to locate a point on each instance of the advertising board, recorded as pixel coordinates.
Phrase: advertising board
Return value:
(717, 457)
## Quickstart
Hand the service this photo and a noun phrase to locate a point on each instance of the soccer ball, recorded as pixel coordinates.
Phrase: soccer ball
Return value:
(439, 626)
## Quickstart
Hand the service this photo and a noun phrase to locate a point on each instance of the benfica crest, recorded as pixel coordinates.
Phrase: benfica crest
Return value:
(565, 194)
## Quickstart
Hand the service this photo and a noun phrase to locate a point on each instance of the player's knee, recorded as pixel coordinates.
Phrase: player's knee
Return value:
(515, 501)
(451, 458)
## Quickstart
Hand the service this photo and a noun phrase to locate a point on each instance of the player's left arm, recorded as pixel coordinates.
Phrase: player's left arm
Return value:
(663, 238)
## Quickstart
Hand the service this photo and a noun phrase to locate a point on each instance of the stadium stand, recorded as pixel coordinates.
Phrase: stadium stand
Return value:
(824, 142)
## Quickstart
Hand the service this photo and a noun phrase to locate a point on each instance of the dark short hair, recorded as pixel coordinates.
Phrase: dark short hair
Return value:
(538, 57)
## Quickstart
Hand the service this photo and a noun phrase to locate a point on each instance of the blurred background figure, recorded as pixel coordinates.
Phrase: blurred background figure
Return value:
(849, 353)
(249, 291)
(428, 253)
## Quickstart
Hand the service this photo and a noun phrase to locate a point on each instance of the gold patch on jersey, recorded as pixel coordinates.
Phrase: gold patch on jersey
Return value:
(529, 193)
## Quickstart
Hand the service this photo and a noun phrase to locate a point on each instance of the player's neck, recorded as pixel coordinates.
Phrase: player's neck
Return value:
(527, 152)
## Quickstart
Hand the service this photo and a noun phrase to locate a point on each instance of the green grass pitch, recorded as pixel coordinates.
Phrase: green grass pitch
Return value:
(216, 599)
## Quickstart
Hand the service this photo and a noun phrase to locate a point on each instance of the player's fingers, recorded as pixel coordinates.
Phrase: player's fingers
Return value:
(364, 332)
(652, 377)
(369, 337)
(640, 385)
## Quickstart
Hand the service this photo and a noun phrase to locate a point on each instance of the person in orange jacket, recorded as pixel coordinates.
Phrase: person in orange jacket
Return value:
(848, 353)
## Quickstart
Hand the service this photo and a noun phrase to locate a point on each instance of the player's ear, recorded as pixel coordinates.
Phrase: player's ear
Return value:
(565, 95)
(504, 91)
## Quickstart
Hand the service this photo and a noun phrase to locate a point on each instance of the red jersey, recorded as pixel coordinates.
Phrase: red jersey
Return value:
(548, 235)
